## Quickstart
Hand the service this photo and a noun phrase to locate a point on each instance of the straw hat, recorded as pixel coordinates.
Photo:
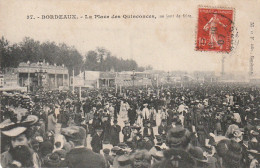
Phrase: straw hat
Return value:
(17, 124)
(178, 137)
(124, 161)
(74, 133)
(52, 160)
(197, 154)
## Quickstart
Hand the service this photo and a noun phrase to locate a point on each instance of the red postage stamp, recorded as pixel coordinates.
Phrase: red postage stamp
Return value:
(214, 31)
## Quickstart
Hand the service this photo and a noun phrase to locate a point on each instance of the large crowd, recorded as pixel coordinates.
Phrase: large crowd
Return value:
(196, 126)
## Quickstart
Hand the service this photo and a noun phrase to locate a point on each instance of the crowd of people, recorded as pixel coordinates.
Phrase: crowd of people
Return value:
(196, 126)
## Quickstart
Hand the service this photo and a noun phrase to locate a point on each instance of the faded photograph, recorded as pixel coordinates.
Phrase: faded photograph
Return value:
(130, 84)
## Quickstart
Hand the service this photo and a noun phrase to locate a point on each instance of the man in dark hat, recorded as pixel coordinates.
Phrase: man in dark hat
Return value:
(200, 160)
(142, 158)
(109, 158)
(106, 126)
(117, 107)
(97, 122)
(45, 148)
(230, 153)
(78, 118)
(97, 140)
(124, 161)
(187, 120)
(148, 130)
(126, 131)
(132, 114)
(114, 151)
(178, 140)
(114, 132)
(52, 160)
(157, 150)
(175, 123)
(148, 143)
(80, 156)
(118, 152)
(64, 118)
(162, 129)
(136, 138)
(170, 116)
(89, 119)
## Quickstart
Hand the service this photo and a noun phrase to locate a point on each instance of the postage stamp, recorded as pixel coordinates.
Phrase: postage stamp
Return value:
(214, 30)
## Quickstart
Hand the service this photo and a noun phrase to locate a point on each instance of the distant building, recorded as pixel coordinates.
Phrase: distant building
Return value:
(110, 79)
(204, 76)
(86, 79)
(235, 77)
(130, 78)
(9, 80)
(255, 80)
(107, 79)
(41, 74)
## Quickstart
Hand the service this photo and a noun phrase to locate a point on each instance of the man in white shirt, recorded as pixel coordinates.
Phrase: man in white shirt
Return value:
(146, 112)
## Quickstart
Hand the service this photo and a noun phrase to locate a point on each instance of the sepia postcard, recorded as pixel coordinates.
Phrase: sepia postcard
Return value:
(107, 54)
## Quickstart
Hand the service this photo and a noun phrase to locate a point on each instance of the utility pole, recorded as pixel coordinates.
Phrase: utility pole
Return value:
(73, 86)
(157, 84)
(157, 80)
(146, 81)
(80, 92)
(168, 76)
(28, 62)
(116, 82)
(133, 78)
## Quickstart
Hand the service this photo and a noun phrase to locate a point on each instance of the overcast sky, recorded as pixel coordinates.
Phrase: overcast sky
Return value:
(166, 44)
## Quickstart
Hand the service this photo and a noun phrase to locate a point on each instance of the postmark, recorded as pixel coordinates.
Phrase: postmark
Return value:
(214, 29)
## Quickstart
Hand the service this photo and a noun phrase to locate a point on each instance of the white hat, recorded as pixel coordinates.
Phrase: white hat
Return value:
(14, 128)
(14, 131)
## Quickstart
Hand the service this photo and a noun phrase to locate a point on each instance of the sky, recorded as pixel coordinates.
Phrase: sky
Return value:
(166, 44)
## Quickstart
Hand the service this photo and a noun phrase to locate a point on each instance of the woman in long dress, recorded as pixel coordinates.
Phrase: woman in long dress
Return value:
(158, 118)
(139, 120)
(164, 114)
(123, 110)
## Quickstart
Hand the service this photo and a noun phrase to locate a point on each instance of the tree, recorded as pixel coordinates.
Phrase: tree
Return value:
(101, 59)
(15, 55)
(102, 55)
(149, 67)
(50, 52)
(5, 53)
(68, 56)
(31, 50)
(91, 62)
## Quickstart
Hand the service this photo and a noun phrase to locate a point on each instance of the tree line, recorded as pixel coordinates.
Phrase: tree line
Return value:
(31, 50)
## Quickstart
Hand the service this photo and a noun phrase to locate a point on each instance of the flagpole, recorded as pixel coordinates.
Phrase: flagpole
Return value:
(116, 83)
(73, 87)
